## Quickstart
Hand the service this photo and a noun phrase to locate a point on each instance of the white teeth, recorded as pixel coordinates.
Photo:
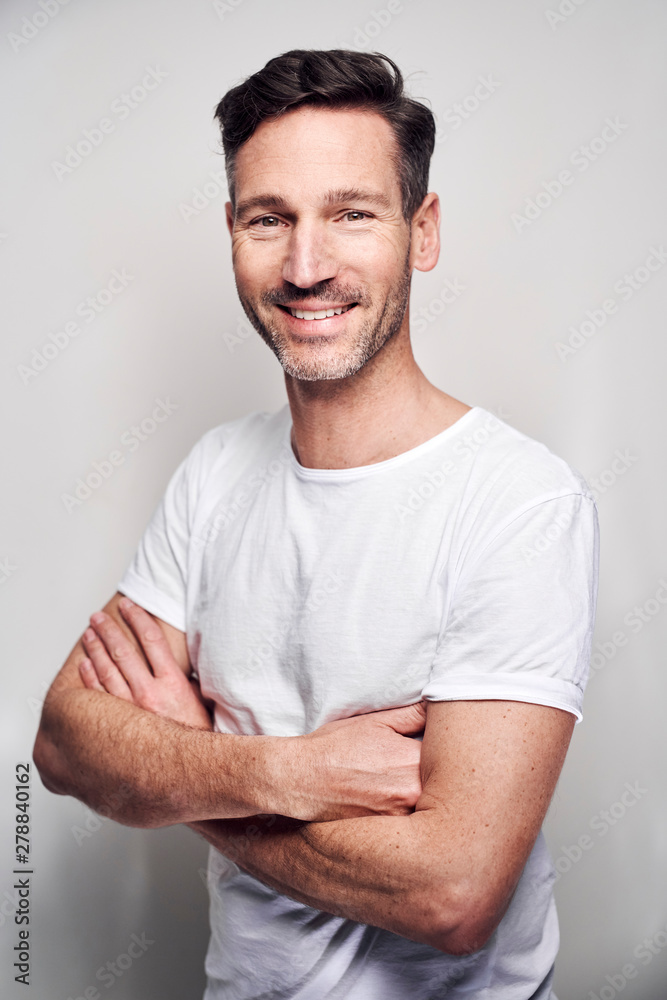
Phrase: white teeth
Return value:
(320, 314)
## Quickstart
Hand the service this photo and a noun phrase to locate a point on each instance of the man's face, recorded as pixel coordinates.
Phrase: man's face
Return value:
(320, 247)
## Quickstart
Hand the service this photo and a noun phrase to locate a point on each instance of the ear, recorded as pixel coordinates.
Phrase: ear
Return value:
(230, 217)
(426, 234)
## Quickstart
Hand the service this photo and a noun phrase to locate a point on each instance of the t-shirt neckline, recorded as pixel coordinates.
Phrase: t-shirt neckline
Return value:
(359, 471)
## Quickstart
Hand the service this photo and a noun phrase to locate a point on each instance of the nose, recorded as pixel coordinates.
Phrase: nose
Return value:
(309, 259)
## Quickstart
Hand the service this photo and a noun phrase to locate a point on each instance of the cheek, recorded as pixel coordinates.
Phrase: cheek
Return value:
(382, 257)
(246, 270)
(254, 261)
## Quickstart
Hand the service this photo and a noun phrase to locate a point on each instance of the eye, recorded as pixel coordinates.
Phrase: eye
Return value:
(355, 216)
(269, 221)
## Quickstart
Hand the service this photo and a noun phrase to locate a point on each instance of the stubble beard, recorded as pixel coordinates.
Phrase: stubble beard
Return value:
(316, 365)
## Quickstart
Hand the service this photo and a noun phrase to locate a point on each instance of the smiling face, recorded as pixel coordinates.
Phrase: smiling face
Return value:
(320, 247)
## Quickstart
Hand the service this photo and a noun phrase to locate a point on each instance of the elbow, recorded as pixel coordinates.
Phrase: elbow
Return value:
(466, 938)
(48, 754)
(122, 805)
(456, 923)
(111, 793)
(49, 765)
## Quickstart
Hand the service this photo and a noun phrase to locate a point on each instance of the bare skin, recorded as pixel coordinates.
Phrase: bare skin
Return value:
(317, 240)
(443, 874)
(318, 224)
(155, 739)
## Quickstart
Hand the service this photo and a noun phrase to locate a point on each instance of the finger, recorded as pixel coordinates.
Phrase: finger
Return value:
(89, 676)
(406, 720)
(121, 653)
(151, 638)
(108, 674)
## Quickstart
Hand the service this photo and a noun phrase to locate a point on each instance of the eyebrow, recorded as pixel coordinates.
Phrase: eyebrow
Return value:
(261, 201)
(338, 196)
(341, 195)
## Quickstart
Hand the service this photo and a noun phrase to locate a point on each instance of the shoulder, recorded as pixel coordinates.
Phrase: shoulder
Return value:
(512, 484)
(220, 444)
(512, 467)
(213, 441)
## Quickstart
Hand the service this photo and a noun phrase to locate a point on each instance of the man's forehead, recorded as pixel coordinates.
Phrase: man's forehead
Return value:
(338, 151)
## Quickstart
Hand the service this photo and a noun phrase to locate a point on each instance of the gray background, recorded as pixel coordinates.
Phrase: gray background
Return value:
(177, 333)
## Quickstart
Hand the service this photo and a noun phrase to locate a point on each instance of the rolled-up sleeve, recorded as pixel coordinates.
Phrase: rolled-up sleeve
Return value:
(520, 624)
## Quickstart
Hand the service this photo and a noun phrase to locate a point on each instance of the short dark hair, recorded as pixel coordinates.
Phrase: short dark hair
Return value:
(340, 79)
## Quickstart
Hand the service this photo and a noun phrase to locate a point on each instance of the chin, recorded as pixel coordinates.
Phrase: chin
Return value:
(319, 371)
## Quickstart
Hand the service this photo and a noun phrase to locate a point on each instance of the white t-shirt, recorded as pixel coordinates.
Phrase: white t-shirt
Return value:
(464, 568)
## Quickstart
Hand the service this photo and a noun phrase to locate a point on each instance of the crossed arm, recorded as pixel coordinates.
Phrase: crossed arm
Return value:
(444, 874)
(441, 873)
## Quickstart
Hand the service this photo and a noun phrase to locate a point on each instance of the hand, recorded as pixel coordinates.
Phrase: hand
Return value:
(360, 766)
(154, 682)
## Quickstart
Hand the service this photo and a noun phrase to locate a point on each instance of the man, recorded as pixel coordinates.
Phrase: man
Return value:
(376, 560)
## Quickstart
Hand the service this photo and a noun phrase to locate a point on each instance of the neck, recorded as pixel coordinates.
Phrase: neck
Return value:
(385, 409)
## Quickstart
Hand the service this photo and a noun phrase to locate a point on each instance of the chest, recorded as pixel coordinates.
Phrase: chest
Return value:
(316, 606)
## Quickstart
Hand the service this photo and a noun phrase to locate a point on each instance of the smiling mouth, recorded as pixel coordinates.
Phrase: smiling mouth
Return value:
(317, 314)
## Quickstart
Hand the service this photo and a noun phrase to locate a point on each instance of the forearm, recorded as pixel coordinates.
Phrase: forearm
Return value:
(126, 717)
(92, 744)
(377, 870)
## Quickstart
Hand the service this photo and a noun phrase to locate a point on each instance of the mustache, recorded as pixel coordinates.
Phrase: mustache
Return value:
(326, 291)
